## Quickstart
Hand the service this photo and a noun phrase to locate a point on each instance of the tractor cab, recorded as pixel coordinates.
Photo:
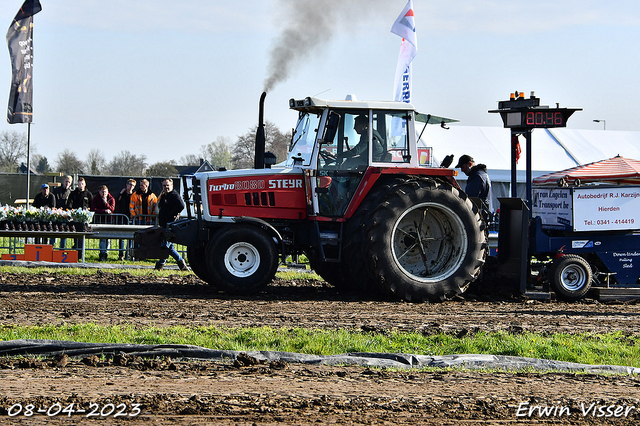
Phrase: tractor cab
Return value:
(340, 140)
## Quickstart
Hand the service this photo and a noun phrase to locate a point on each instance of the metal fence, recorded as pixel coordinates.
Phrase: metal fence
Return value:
(116, 229)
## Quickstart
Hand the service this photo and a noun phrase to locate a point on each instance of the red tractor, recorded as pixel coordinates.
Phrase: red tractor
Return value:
(356, 196)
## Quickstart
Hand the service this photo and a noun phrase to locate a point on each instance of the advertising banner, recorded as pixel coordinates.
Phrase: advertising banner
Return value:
(606, 209)
(554, 206)
(20, 43)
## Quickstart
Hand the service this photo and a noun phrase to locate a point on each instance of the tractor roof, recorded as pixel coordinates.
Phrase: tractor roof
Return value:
(311, 103)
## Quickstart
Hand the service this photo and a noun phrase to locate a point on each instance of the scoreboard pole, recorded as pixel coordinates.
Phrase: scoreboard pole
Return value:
(527, 135)
(514, 162)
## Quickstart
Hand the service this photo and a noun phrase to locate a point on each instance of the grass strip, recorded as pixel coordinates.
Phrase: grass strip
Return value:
(611, 348)
(286, 275)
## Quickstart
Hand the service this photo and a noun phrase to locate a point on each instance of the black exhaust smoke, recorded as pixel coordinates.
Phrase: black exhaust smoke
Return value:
(260, 137)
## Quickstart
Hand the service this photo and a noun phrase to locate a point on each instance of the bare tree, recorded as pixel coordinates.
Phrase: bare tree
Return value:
(276, 142)
(162, 169)
(13, 148)
(127, 164)
(68, 162)
(244, 151)
(190, 160)
(95, 162)
(218, 153)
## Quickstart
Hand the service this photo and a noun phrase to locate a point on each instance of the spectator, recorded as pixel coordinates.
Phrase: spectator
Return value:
(44, 199)
(80, 198)
(103, 204)
(143, 204)
(122, 207)
(170, 204)
(62, 198)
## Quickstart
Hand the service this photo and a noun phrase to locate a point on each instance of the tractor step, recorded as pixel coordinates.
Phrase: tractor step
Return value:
(330, 243)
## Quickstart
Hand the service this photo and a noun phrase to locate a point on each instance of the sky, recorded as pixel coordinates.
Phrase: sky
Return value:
(161, 78)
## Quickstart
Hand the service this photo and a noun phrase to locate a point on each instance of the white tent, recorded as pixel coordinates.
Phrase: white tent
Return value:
(552, 150)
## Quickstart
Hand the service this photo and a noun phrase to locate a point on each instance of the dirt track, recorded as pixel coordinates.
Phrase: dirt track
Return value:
(187, 392)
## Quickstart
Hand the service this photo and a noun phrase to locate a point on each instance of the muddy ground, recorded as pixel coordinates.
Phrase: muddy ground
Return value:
(197, 392)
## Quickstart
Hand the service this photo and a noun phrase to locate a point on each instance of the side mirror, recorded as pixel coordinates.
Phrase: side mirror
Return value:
(331, 128)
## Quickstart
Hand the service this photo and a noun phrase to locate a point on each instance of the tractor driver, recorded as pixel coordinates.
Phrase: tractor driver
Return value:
(358, 153)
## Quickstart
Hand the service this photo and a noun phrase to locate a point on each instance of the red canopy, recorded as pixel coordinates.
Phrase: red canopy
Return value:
(616, 170)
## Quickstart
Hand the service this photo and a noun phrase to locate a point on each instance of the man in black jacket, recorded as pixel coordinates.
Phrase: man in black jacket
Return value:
(122, 207)
(62, 198)
(80, 198)
(170, 204)
(44, 199)
(478, 182)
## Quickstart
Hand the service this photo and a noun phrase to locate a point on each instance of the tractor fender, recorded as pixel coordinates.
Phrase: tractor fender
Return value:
(270, 229)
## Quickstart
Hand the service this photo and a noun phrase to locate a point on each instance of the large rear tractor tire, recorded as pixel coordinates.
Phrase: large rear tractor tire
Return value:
(331, 272)
(571, 277)
(242, 259)
(422, 240)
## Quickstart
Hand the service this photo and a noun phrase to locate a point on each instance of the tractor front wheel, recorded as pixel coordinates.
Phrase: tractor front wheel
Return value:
(242, 259)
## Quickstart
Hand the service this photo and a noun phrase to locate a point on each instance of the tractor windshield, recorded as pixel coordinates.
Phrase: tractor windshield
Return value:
(304, 138)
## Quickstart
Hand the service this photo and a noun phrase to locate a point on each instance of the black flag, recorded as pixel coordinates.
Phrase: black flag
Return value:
(20, 42)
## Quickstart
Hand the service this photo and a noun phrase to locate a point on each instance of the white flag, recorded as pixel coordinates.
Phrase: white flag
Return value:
(405, 27)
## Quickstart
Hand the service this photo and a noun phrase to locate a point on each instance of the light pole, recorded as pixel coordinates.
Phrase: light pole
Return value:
(604, 123)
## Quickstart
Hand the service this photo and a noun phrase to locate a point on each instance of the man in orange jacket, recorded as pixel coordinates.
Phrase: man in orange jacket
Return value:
(143, 205)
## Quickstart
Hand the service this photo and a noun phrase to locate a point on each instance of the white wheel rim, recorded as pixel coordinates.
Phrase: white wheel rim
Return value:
(242, 259)
(443, 239)
(573, 277)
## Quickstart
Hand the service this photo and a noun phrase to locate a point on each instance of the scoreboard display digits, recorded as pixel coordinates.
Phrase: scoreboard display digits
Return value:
(544, 119)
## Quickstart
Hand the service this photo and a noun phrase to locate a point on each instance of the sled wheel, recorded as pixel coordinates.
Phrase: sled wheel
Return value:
(571, 277)
(424, 240)
(198, 263)
(242, 259)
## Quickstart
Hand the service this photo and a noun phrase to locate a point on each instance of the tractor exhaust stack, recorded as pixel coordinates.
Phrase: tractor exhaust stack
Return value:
(260, 136)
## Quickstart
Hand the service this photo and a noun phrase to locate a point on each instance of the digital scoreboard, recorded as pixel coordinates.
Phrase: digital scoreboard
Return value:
(522, 113)
(537, 118)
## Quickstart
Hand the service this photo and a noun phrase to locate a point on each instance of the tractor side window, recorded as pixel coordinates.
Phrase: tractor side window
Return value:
(349, 149)
(304, 138)
(393, 126)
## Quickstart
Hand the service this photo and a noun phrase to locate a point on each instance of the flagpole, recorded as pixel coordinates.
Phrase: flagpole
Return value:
(28, 161)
